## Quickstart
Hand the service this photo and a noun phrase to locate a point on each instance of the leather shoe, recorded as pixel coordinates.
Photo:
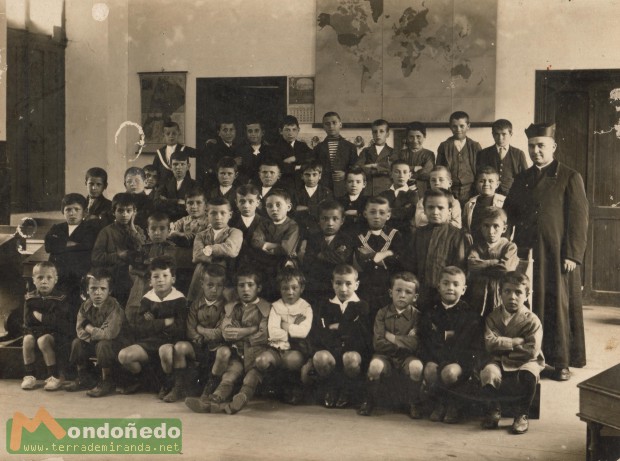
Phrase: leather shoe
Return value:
(452, 415)
(561, 374)
(343, 399)
(415, 411)
(491, 420)
(366, 408)
(330, 398)
(520, 425)
(439, 413)
(103, 388)
(197, 405)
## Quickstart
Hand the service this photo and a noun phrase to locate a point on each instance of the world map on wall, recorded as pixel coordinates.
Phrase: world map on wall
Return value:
(406, 60)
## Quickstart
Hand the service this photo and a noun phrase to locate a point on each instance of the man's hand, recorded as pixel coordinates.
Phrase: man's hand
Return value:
(569, 265)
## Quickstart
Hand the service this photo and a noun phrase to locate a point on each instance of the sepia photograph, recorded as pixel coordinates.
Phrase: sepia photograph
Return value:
(310, 230)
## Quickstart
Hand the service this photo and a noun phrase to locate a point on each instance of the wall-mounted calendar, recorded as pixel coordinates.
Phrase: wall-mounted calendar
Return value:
(301, 98)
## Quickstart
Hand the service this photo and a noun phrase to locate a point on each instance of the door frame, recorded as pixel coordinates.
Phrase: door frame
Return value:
(542, 96)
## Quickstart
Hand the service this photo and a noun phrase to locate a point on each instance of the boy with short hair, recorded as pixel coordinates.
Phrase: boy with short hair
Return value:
(376, 159)
(215, 149)
(102, 331)
(487, 181)
(291, 153)
(290, 320)
(226, 180)
(450, 332)
(489, 260)
(217, 244)
(183, 231)
(420, 160)
(251, 154)
(157, 244)
(118, 243)
(276, 240)
(70, 245)
(307, 197)
(436, 245)
(378, 252)
(151, 179)
(335, 153)
(439, 178)
(403, 200)
(341, 336)
(204, 337)
(327, 249)
(458, 153)
(247, 219)
(507, 160)
(354, 199)
(170, 197)
(98, 207)
(163, 160)
(245, 325)
(134, 181)
(513, 341)
(158, 323)
(47, 326)
(397, 344)
(268, 180)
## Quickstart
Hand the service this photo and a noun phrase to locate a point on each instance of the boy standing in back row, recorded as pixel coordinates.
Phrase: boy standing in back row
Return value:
(336, 154)
(459, 153)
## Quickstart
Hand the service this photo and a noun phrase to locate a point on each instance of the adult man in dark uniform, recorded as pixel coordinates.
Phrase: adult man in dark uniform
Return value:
(547, 205)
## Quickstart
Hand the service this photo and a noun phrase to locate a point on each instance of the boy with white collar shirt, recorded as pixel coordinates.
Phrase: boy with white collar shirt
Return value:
(342, 337)
(171, 195)
(163, 160)
(403, 198)
(354, 200)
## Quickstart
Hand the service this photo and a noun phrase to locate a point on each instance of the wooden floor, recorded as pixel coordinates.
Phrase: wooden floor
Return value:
(271, 430)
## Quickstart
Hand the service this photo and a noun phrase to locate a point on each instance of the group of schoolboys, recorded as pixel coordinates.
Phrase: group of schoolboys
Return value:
(272, 224)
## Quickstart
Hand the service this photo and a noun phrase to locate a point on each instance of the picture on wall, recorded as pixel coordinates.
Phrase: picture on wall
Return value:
(411, 59)
(162, 97)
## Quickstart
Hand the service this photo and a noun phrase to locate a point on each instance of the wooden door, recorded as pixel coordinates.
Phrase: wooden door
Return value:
(580, 104)
(35, 121)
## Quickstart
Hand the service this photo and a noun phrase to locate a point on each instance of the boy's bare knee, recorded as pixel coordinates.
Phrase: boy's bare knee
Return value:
(166, 351)
(351, 359)
(28, 341)
(264, 361)
(451, 373)
(323, 362)
(45, 341)
(430, 373)
(293, 361)
(182, 348)
(375, 369)
(223, 353)
(415, 370)
(124, 357)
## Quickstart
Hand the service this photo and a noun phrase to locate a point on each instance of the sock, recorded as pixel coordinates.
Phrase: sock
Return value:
(52, 370)
(29, 369)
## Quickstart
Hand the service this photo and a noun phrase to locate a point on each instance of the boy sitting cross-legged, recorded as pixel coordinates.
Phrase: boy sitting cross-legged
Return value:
(205, 344)
(396, 343)
(289, 323)
(513, 341)
(244, 326)
(342, 337)
(102, 331)
(158, 323)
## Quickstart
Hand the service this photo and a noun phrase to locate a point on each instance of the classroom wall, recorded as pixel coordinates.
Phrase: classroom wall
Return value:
(210, 38)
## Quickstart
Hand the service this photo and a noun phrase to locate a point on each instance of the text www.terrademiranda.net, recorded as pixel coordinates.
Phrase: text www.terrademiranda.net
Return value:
(109, 447)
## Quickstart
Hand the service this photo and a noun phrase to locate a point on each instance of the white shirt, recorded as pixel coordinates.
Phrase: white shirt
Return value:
(247, 220)
(379, 148)
(459, 144)
(265, 190)
(224, 190)
(353, 198)
(169, 151)
(217, 232)
(502, 151)
(179, 184)
(311, 190)
(72, 228)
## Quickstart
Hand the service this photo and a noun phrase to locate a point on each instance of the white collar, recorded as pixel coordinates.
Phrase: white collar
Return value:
(399, 190)
(353, 198)
(174, 294)
(343, 304)
(277, 223)
(247, 220)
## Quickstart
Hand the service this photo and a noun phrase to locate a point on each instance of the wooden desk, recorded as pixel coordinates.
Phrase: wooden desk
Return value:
(599, 407)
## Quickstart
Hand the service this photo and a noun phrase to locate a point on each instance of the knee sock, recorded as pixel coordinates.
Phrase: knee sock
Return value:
(52, 370)
(527, 382)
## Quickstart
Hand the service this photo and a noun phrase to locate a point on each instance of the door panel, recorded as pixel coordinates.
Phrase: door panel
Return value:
(579, 103)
